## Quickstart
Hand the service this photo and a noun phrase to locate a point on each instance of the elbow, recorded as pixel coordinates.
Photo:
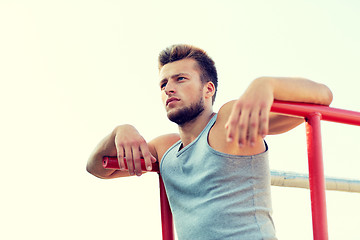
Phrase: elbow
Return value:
(328, 96)
(98, 172)
(90, 169)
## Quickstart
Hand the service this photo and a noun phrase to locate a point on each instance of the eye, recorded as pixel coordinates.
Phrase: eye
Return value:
(163, 85)
(180, 78)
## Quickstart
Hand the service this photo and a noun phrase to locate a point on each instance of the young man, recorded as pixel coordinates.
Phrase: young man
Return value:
(215, 170)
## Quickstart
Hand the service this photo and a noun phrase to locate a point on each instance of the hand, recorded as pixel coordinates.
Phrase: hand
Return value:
(132, 146)
(249, 118)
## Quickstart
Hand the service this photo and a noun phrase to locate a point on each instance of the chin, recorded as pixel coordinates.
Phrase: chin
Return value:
(171, 113)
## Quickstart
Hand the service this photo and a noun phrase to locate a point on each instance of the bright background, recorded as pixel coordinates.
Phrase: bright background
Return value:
(71, 71)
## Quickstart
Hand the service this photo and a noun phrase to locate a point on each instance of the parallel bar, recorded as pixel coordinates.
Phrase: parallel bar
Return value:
(327, 113)
(111, 162)
(166, 215)
(313, 114)
(316, 177)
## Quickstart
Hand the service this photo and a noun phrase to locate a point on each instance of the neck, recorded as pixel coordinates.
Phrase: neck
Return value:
(190, 130)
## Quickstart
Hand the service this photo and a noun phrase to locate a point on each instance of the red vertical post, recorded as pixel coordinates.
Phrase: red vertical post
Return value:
(166, 215)
(316, 177)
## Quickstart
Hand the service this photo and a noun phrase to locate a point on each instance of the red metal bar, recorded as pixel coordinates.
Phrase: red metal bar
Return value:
(316, 177)
(313, 114)
(166, 215)
(113, 163)
(327, 113)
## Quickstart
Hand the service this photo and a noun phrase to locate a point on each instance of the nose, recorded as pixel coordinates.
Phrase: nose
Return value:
(169, 88)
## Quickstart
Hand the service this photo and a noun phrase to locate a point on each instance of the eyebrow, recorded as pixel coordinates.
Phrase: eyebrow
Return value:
(174, 76)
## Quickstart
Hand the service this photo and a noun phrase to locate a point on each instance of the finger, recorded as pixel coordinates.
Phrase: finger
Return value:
(147, 156)
(129, 160)
(253, 127)
(231, 124)
(120, 155)
(243, 127)
(136, 160)
(264, 123)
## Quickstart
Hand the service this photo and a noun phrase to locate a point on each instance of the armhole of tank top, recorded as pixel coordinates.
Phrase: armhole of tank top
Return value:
(166, 153)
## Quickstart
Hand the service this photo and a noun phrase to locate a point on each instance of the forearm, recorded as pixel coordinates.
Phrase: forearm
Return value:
(94, 164)
(250, 115)
(296, 90)
(128, 145)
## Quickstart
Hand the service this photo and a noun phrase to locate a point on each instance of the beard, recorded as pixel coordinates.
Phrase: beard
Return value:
(187, 114)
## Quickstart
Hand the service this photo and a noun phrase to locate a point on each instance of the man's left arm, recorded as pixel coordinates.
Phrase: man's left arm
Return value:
(250, 117)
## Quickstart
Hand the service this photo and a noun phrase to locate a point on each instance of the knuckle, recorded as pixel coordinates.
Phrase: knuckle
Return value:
(247, 106)
(141, 141)
(263, 105)
(244, 105)
(238, 104)
(129, 159)
(253, 136)
(118, 143)
(120, 155)
(253, 123)
(241, 137)
(131, 142)
(232, 122)
(242, 125)
(263, 119)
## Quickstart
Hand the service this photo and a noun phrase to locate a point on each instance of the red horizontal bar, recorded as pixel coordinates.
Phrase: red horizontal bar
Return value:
(113, 163)
(327, 113)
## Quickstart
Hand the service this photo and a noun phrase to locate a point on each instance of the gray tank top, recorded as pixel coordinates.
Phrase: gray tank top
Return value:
(214, 195)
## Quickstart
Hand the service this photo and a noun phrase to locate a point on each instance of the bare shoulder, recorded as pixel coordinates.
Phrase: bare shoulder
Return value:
(224, 113)
(278, 123)
(217, 136)
(162, 143)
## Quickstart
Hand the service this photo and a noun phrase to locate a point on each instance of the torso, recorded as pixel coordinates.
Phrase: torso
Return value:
(204, 185)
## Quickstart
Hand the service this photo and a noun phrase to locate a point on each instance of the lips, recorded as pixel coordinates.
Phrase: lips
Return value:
(172, 99)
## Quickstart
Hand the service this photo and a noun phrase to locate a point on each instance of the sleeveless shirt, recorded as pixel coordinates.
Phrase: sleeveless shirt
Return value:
(217, 196)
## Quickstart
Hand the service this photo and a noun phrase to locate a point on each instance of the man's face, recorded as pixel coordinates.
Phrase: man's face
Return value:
(182, 90)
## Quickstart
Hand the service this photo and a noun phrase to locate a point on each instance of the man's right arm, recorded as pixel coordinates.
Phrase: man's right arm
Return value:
(126, 142)
(123, 141)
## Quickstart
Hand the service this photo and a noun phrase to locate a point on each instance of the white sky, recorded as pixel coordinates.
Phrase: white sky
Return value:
(71, 71)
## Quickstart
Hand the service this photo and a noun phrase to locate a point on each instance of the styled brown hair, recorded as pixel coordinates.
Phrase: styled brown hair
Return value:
(182, 51)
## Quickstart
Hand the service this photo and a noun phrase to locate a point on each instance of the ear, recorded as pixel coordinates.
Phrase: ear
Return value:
(209, 89)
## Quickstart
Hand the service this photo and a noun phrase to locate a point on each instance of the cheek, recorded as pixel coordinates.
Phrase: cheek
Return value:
(163, 97)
